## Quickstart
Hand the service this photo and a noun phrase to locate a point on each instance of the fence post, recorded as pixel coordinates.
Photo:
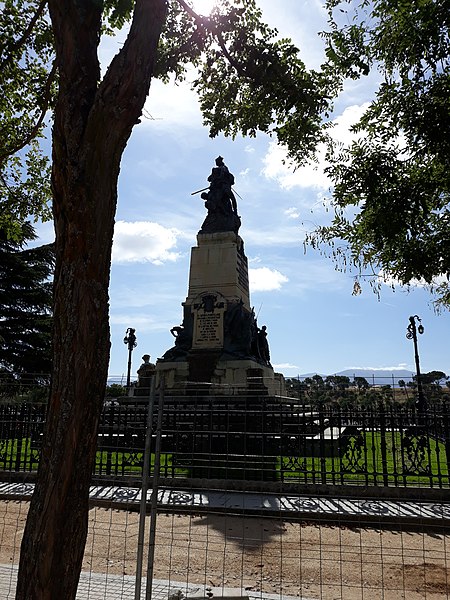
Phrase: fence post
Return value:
(154, 499)
(110, 438)
(382, 413)
(19, 438)
(323, 461)
(145, 479)
(446, 423)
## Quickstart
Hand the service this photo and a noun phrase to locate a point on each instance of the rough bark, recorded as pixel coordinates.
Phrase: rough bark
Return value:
(92, 125)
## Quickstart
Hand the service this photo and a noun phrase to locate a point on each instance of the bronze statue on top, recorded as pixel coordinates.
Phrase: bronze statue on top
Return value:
(220, 201)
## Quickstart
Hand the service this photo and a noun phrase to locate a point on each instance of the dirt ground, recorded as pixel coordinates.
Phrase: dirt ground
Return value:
(295, 559)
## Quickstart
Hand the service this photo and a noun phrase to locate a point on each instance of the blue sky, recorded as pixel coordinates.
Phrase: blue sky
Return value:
(314, 322)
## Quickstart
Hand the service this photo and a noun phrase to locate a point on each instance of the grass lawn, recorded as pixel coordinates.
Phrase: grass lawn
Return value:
(413, 464)
(420, 462)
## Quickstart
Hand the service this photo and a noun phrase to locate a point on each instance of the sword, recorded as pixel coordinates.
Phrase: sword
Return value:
(238, 195)
(198, 191)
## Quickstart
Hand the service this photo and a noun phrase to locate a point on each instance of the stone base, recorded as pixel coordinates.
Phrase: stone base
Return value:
(229, 377)
(176, 374)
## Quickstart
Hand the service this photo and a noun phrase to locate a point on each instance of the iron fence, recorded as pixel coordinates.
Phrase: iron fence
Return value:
(252, 438)
(193, 498)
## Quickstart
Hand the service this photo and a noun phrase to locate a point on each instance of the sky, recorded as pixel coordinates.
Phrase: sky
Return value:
(314, 323)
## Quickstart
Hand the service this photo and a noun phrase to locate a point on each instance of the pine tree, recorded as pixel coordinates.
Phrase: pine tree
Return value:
(25, 307)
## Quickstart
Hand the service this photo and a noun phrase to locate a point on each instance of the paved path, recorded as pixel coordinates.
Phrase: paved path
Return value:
(342, 510)
(99, 586)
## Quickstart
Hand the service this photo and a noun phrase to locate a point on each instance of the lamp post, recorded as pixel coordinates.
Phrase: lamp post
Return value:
(130, 340)
(411, 333)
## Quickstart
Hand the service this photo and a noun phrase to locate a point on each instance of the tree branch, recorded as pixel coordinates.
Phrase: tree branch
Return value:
(234, 63)
(26, 34)
(121, 94)
(190, 11)
(206, 22)
(34, 131)
(5, 183)
(76, 28)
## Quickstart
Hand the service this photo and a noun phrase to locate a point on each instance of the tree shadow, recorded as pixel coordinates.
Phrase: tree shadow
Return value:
(249, 533)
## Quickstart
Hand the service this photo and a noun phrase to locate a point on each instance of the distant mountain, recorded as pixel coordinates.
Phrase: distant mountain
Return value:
(378, 377)
(307, 375)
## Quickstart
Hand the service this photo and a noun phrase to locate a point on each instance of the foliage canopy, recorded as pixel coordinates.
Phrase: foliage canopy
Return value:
(392, 185)
(248, 80)
(27, 90)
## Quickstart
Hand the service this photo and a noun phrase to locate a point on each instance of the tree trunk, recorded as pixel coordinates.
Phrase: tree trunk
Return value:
(92, 125)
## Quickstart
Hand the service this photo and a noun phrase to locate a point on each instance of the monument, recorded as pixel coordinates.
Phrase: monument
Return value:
(219, 342)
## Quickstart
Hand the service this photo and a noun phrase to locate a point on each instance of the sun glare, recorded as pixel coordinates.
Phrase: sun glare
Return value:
(203, 7)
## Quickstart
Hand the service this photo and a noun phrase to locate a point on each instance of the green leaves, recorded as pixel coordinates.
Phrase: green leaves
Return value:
(391, 189)
(394, 183)
(26, 94)
(248, 79)
(183, 41)
(117, 13)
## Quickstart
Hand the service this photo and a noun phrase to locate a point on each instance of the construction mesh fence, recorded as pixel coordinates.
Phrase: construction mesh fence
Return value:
(199, 494)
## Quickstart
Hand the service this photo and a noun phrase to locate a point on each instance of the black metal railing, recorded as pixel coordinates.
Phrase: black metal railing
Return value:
(254, 438)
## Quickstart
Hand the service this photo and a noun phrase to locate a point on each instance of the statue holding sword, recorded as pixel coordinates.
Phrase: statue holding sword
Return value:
(220, 201)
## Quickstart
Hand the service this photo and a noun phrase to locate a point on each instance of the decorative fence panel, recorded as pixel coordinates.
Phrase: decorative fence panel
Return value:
(254, 438)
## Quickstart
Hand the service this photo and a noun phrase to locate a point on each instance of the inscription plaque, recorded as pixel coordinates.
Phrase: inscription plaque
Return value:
(208, 329)
(242, 270)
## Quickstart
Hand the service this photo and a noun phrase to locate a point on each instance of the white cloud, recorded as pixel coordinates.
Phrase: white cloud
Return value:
(315, 274)
(391, 281)
(144, 241)
(292, 213)
(342, 124)
(172, 105)
(286, 366)
(254, 259)
(277, 167)
(264, 279)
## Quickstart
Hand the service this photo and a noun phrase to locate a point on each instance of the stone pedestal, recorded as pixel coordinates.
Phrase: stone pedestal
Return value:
(225, 377)
(219, 343)
(219, 265)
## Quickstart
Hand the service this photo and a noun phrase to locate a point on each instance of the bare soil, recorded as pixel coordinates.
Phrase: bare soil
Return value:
(296, 559)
